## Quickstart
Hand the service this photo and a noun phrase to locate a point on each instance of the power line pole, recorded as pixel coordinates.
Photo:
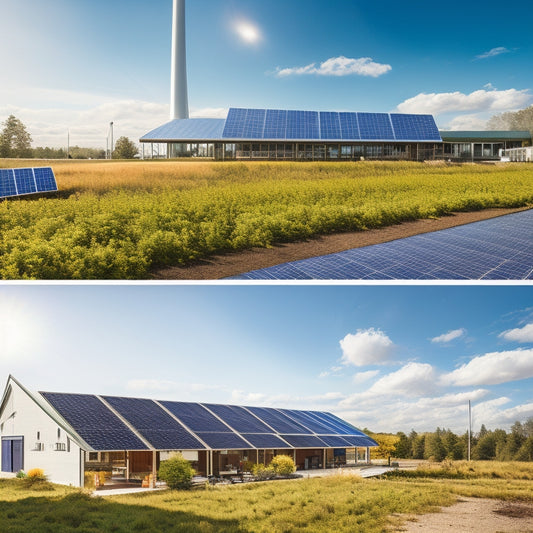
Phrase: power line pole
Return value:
(469, 427)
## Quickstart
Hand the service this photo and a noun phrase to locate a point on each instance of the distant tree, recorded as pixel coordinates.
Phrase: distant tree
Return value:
(485, 449)
(452, 445)
(419, 443)
(387, 445)
(434, 449)
(15, 141)
(403, 446)
(125, 149)
(517, 120)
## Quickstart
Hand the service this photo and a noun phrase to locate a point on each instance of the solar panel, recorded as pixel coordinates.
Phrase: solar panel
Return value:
(266, 441)
(254, 124)
(360, 442)
(94, 422)
(302, 125)
(20, 181)
(308, 421)
(330, 125)
(278, 421)
(414, 127)
(349, 126)
(223, 441)
(234, 127)
(342, 427)
(195, 416)
(275, 124)
(154, 424)
(375, 126)
(334, 441)
(304, 441)
(238, 418)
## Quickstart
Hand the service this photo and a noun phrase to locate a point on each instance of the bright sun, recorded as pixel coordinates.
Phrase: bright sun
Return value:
(248, 32)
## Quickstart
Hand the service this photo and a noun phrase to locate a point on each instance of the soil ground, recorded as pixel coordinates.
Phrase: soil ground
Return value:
(232, 264)
(474, 514)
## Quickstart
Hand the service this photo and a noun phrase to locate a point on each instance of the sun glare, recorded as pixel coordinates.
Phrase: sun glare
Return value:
(248, 32)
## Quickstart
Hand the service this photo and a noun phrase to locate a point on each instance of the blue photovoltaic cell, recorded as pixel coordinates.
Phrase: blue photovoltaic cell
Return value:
(94, 422)
(349, 126)
(304, 441)
(7, 183)
(331, 427)
(265, 441)
(334, 441)
(330, 126)
(238, 418)
(195, 417)
(309, 422)
(275, 124)
(25, 181)
(498, 249)
(278, 421)
(154, 424)
(342, 427)
(254, 124)
(360, 442)
(302, 125)
(375, 126)
(223, 441)
(45, 179)
(234, 127)
(415, 127)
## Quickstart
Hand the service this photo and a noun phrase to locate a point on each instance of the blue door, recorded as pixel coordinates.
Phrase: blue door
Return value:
(12, 454)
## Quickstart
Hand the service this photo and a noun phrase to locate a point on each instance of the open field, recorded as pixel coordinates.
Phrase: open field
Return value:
(123, 220)
(342, 503)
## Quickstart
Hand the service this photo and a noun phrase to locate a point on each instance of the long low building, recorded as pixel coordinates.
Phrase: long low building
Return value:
(69, 435)
(273, 134)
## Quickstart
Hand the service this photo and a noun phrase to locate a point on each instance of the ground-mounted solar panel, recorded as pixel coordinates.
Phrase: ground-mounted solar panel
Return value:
(304, 441)
(265, 441)
(303, 125)
(239, 418)
(308, 421)
(278, 421)
(195, 416)
(349, 126)
(223, 441)
(330, 126)
(94, 422)
(414, 127)
(375, 126)
(21, 181)
(154, 424)
(275, 124)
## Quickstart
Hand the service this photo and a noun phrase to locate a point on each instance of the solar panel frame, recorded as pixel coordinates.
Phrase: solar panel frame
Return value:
(304, 441)
(8, 186)
(375, 127)
(254, 124)
(278, 421)
(218, 440)
(238, 418)
(409, 127)
(302, 417)
(275, 124)
(330, 125)
(24, 181)
(45, 179)
(349, 126)
(266, 441)
(302, 125)
(195, 416)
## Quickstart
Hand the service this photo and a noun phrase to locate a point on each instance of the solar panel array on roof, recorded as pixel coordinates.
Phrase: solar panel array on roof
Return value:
(20, 181)
(115, 423)
(274, 124)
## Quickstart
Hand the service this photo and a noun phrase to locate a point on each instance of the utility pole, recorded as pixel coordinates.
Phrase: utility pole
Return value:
(469, 427)
(111, 129)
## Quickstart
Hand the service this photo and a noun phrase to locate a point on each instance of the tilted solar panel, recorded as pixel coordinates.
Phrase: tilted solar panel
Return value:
(330, 125)
(414, 127)
(234, 127)
(344, 427)
(94, 422)
(278, 421)
(254, 124)
(275, 124)
(334, 441)
(238, 418)
(360, 442)
(375, 126)
(45, 179)
(7, 183)
(304, 441)
(331, 427)
(302, 417)
(154, 424)
(195, 417)
(265, 441)
(302, 125)
(21, 181)
(223, 441)
(349, 126)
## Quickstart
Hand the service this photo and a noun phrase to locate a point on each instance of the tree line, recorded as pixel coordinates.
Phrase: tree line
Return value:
(15, 142)
(518, 120)
(486, 445)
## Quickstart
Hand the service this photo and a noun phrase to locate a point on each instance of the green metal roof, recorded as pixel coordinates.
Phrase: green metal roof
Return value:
(458, 136)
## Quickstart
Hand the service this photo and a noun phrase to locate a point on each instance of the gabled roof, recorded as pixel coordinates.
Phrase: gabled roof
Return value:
(191, 129)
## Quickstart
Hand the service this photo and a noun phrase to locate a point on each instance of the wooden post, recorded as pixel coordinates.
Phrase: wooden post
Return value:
(154, 469)
(324, 460)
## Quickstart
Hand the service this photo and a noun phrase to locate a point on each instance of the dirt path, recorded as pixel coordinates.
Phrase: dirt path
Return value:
(222, 266)
(475, 514)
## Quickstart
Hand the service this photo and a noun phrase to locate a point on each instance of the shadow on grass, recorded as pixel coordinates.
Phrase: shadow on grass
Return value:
(82, 513)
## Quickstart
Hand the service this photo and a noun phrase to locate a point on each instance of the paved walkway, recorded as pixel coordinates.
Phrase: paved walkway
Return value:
(496, 249)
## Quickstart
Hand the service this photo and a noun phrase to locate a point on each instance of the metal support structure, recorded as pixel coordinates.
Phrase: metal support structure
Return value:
(179, 100)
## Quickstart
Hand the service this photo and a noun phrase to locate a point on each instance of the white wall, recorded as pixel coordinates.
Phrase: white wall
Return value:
(62, 467)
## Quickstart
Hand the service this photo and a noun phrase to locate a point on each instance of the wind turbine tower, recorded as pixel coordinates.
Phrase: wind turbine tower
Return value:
(179, 100)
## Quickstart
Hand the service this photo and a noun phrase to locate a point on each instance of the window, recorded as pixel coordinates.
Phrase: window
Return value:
(58, 433)
(93, 456)
(38, 435)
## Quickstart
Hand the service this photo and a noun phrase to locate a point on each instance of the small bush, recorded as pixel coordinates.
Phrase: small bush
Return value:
(36, 474)
(283, 465)
(21, 474)
(262, 472)
(177, 472)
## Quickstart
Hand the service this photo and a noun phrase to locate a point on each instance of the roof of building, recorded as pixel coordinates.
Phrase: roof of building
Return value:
(462, 136)
(109, 423)
(286, 125)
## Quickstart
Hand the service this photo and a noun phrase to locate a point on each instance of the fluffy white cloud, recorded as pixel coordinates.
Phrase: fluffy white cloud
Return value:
(524, 334)
(472, 122)
(411, 380)
(493, 369)
(493, 52)
(362, 377)
(338, 66)
(366, 347)
(450, 336)
(482, 100)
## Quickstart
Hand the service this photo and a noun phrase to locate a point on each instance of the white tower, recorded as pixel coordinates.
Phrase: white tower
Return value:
(179, 100)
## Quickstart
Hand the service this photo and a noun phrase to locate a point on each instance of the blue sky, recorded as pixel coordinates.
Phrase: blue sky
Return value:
(389, 358)
(76, 66)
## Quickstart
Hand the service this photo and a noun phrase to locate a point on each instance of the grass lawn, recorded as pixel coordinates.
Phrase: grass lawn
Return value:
(120, 220)
(338, 503)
